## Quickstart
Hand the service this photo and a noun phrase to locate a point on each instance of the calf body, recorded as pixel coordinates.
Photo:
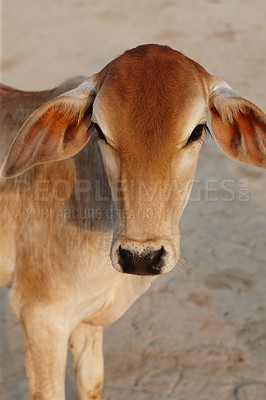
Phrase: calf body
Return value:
(98, 179)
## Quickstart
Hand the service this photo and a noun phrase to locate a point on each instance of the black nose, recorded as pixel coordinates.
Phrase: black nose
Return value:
(141, 264)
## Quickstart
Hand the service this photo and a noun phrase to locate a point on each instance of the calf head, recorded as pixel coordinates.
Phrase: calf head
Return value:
(149, 108)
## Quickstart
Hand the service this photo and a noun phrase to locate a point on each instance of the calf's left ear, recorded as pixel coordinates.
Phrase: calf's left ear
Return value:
(239, 126)
(55, 131)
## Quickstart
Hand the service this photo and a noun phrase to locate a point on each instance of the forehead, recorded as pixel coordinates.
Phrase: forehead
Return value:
(149, 91)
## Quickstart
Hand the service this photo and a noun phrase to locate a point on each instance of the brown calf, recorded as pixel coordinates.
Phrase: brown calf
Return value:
(99, 177)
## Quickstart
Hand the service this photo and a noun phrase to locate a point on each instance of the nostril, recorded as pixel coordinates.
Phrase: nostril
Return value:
(155, 256)
(125, 254)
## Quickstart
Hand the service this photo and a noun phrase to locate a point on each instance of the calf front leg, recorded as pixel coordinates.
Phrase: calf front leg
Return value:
(46, 342)
(87, 354)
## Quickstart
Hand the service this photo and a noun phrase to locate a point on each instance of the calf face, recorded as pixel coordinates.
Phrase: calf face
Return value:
(149, 108)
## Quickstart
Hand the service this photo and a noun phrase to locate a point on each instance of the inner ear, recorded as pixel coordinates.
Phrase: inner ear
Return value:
(239, 127)
(56, 131)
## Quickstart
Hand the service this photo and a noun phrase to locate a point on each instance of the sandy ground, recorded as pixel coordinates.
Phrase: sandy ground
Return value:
(200, 331)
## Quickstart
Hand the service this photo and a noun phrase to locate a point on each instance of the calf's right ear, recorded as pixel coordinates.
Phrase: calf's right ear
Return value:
(55, 131)
(238, 125)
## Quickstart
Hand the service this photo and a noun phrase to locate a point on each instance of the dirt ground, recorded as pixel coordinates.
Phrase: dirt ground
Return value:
(199, 333)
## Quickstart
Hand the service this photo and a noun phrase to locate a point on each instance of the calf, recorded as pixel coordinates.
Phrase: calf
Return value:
(99, 177)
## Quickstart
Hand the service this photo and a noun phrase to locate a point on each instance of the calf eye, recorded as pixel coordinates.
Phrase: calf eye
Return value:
(100, 133)
(196, 134)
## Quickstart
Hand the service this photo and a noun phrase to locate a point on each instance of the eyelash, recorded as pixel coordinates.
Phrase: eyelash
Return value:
(197, 133)
(100, 133)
